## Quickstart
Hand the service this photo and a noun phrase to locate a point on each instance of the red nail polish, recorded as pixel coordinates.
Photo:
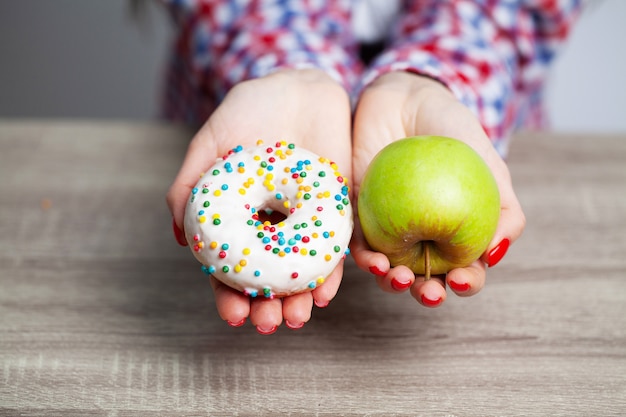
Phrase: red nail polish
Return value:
(430, 303)
(498, 252)
(294, 326)
(459, 287)
(266, 331)
(374, 270)
(400, 286)
(238, 324)
(178, 234)
(321, 304)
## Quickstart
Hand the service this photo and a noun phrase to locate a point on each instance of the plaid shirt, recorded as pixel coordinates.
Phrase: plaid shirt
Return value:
(492, 54)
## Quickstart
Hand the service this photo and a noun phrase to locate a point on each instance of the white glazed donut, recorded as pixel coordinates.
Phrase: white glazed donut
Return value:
(228, 231)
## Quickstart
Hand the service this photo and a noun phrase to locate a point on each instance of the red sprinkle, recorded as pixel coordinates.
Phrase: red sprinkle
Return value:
(320, 208)
(340, 179)
(294, 275)
(269, 150)
(272, 159)
(295, 249)
(222, 254)
(306, 239)
(268, 247)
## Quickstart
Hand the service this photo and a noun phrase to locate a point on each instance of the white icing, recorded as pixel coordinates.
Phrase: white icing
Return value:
(296, 182)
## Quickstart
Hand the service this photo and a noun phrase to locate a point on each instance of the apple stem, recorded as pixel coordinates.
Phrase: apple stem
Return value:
(426, 261)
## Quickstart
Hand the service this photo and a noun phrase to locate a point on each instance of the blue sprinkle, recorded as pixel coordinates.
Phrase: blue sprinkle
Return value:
(239, 148)
(201, 212)
(195, 190)
(297, 236)
(266, 239)
(241, 164)
(347, 252)
(326, 235)
(270, 167)
(281, 241)
(292, 242)
(279, 196)
(312, 284)
(338, 197)
(253, 210)
(257, 273)
(287, 249)
(225, 246)
(224, 187)
(253, 294)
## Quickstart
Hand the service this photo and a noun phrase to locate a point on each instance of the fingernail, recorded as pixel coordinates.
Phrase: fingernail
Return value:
(237, 324)
(430, 303)
(293, 326)
(374, 270)
(178, 234)
(265, 332)
(459, 287)
(321, 304)
(400, 286)
(498, 252)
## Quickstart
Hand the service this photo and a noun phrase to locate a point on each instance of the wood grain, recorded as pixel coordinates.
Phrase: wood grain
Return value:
(102, 314)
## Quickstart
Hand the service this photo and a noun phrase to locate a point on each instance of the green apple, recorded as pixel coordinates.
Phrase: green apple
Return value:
(430, 203)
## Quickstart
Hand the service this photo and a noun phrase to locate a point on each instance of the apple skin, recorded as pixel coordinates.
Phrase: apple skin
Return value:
(429, 190)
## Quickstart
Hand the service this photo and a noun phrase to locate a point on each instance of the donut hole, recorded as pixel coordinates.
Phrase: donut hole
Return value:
(271, 215)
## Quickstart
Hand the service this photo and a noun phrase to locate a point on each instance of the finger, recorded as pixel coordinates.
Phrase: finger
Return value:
(266, 314)
(297, 309)
(201, 154)
(431, 293)
(510, 227)
(467, 281)
(323, 294)
(365, 258)
(398, 279)
(232, 305)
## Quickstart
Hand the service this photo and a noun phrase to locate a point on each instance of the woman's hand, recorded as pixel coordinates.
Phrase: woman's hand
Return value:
(304, 107)
(402, 104)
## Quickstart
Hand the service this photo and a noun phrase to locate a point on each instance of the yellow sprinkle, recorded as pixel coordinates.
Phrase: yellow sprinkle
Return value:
(242, 191)
(259, 142)
(314, 235)
(320, 195)
(241, 170)
(332, 233)
(320, 280)
(250, 180)
(287, 169)
(299, 180)
(285, 181)
(260, 172)
(328, 257)
(216, 216)
(201, 219)
(287, 204)
(326, 194)
(267, 223)
(314, 218)
(243, 262)
(257, 158)
(213, 245)
(288, 151)
(322, 159)
(217, 193)
(279, 152)
(280, 224)
(309, 167)
(246, 251)
(284, 156)
(333, 166)
(299, 194)
(260, 227)
(307, 188)
(342, 212)
(281, 253)
(283, 143)
(200, 245)
(269, 176)
(271, 187)
(303, 251)
(237, 268)
(299, 205)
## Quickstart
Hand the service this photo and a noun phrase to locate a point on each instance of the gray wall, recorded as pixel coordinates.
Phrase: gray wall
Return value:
(80, 58)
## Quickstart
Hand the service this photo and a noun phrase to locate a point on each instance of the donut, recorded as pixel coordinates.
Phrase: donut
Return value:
(270, 221)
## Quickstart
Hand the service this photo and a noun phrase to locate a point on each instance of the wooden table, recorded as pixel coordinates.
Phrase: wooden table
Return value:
(101, 313)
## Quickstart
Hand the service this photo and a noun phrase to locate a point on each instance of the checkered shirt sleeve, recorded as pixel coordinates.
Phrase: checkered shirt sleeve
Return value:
(222, 43)
(492, 54)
